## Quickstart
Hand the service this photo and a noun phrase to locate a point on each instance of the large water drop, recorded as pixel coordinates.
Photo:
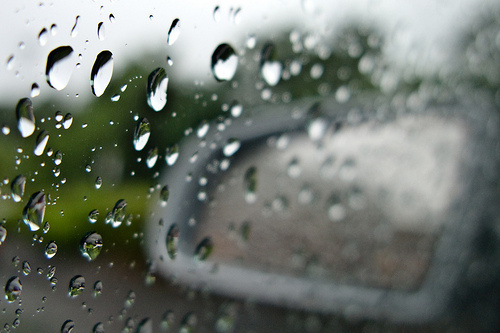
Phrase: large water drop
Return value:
(17, 188)
(91, 245)
(141, 134)
(157, 89)
(174, 31)
(101, 72)
(59, 67)
(34, 211)
(224, 63)
(25, 117)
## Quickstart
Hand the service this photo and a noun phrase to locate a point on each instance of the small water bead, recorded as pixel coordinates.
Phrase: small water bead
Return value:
(3, 234)
(236, 110)
(68, 121)
(112, 18)
(115, 98)
(51, 272)
(76, 285)
(157, 89)
(203, 250)
(174, 31)
(164, 194)
(25, 117)
(98, 328)
(10, 62)
(34, 211)
(101, 74)
(5, 130)
(41, 142)
(26, 267)
(250, 185)
(224, 63)
(91, 246)
(98, 182)
(152, 157)
(119, 213)
(17, 188)
(172, 155)
(294, 170)
(231, 147)
(98, 288)
(58, 116)
(59, 67)
(217, 14)
(141, 134)
(74, 30)
(13, 289)
(317, 71)
(170, 62)
(202, 130)
(167, 321)
(35, 90)
(145, 326)
(270, 69)
(336, 211)
(172, 241)
(43, 37)
(88, 168)
(131, 297)
(101, 31)
(51, 250)
(68, 326)
(93, 215)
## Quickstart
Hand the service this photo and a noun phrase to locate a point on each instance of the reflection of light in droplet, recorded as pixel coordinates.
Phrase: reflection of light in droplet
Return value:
(41, 143)
(174, 31)
(102, 71)
(224, 63)
(157, 89)
(59, 67)
(231, 147)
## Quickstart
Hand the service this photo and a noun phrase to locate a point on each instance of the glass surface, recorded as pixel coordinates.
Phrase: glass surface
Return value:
(235, 166)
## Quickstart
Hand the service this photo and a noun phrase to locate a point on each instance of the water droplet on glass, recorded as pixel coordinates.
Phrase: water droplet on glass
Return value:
(170, 62)
(35, 90)
(13, 289)
(51, 272)
(224, 63)
(93, 215)
(98, 182)
(97, 288)
(34, 211)
(111, 18)
(101, 73)
(59, 67)
(10, 63)
(115, 98)
(119, 213)
(152, 157)
(51, 250)
(68, 121)
(131, 297)
(53, 29)
(25, 117)
(41, 142)
(336, 211)
(145, 326)
(174, 31)
(294, 170)
(68, 326)
(217, 14)
(26, 268)
(58, 116)
(3, 234)
(101, 31)
(98, 328)
(157, 89)
(270, 69)
(76, 285)
(203, 129)
(250, 184)
(172, 155)
(91, 245)
(141, 134)
(17, 188)
(231, 147)
(172, 240)
(43, 37)
(317, 71)
(164, 194)
(203, 249)
(236, 110)
(74, 30)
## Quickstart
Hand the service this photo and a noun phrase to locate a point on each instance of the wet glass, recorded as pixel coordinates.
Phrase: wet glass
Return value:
(301, 166)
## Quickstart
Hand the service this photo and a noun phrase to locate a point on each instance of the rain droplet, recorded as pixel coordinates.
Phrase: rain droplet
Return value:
(43, 37)
(101, 31)
(164, 193)
(294, 170)
(98, 182)
(224, 63)
(13, 289)
(53, 29)
(93, 215)
(236, 110)
(3, 234)
(111, 18)
(58, 158)
(174, 31)
(231, 147)
(170, 62)
(167, 321)
(34, 211)
(203, 129)
(58, 116)
(251, 41)
(26, 268)
(51, 250)
(68, 326)
(25, 117)
(68, 121)
(152, 157)
(250, 184)
(98, 328)
(141, 134)
(172, 155)
(10, 62)
(270, 69)
(17, 188)
(157, 89)
(76, 285)
(91, 245)
(336, 211)
(119, 213)
(145, 326)
(74, 30)
(41, 142)
(59, 68)
(101, 72)
(97, 288)
(172, 240)
(217, 14)
(203, 249)
(35, 90)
